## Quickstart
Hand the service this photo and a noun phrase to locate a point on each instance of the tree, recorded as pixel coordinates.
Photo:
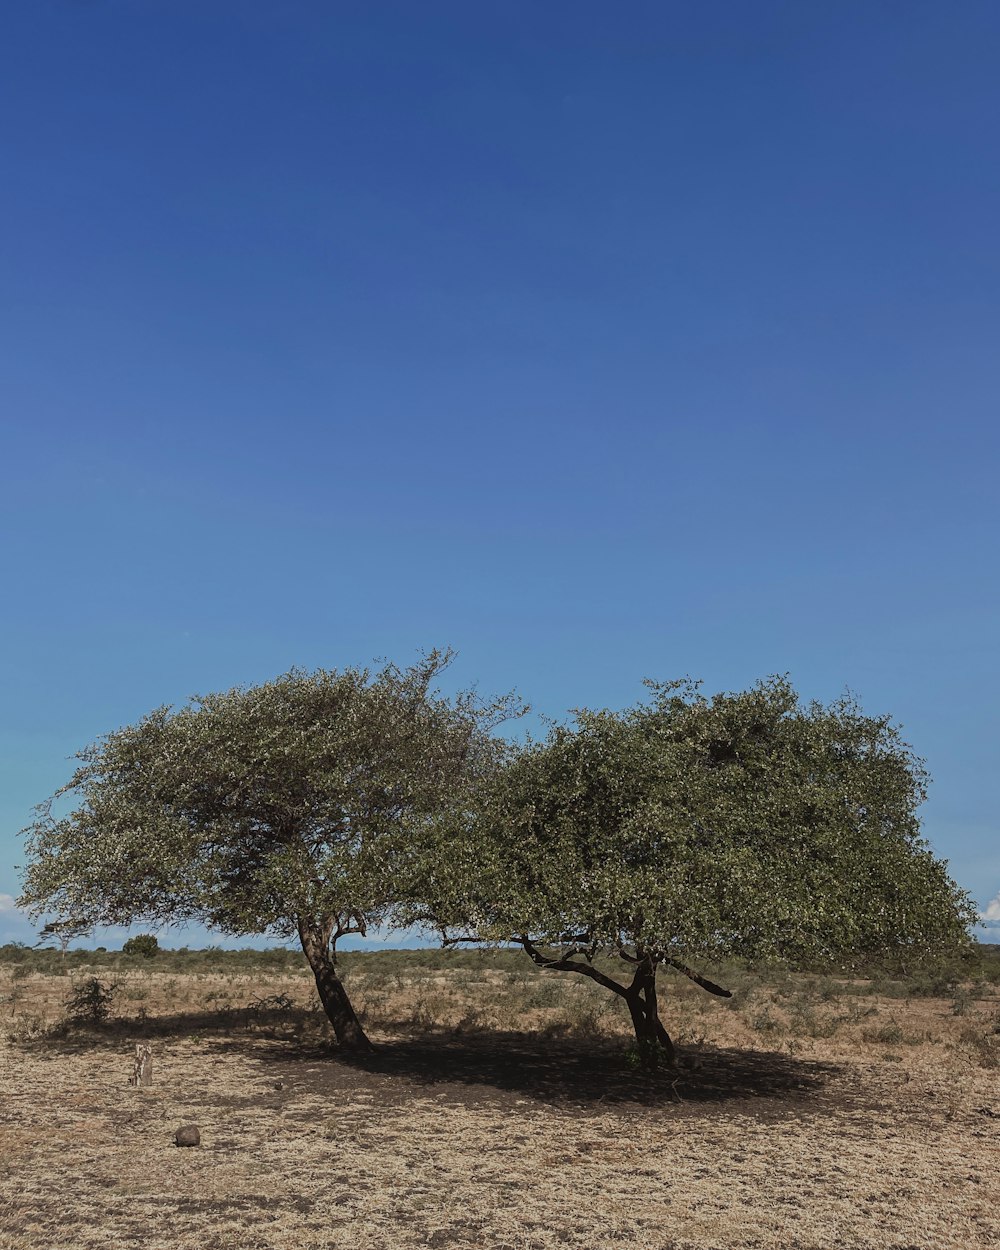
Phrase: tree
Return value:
(63, 931)
(690, 829)
(144, 945)
(294, 807)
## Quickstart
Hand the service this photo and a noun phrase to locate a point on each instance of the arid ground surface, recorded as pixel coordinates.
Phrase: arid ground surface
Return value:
(499, 1111)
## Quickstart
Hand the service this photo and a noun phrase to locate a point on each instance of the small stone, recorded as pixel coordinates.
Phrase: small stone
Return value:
(187, 1135)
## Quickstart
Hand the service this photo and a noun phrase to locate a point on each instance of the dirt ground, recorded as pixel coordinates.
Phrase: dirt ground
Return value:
(772, 1134)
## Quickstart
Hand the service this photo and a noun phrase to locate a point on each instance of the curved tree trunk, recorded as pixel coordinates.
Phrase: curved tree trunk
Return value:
(652, 1039)
(351, 1036)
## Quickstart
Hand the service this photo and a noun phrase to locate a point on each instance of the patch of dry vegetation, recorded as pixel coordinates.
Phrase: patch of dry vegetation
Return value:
(500, 1111)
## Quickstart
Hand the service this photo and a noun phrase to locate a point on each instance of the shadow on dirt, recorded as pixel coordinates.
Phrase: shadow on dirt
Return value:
(511, 1067)
(237, 1024)
(478, 1068)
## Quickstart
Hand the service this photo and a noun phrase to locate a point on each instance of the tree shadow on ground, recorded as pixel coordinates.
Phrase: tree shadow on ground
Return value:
(512, 1067)
(478, 1068)
(236, 1024)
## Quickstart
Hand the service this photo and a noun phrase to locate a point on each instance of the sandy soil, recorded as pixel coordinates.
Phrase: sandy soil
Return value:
(506, 1139)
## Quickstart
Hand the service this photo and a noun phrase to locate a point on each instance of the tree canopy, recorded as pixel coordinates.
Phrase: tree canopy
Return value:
(690, 829)
(676, 833)
(300, 806)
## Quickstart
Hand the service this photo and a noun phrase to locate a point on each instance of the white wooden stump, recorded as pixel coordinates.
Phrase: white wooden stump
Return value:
(142, 1068)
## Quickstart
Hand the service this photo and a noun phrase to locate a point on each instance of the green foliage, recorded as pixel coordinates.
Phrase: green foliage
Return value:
(638, 1058)
(145, 946)
(63, 931)
(309, 805)
(744, 825)
(211, 959)
(307, 798)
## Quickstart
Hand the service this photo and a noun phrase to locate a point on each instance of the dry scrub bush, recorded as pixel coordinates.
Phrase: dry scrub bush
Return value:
(981, 1045)
(90, 1001)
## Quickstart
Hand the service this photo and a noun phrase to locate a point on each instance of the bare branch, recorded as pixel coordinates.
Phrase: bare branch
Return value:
(567, 964)
(698, 980)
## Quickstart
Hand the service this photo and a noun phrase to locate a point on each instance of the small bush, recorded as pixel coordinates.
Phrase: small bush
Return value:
(765, 1022)
(933, 985)
(145, 946)
(471, 1021)
(27, 1029)
(984, 1047)
(855, 1013)
(741, 997)
(827, 990)
(422, 1015)
(961, 1002)
(271, 1004)
(583, 1020)
(805, 1022)
(90, 1001)
(640, 1058)
(890, 1034)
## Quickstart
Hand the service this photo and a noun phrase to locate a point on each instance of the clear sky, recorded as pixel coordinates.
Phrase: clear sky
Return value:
(598, 341)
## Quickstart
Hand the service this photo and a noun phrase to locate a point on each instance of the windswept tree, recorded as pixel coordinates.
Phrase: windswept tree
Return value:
(63, 931)
(298, 807)
(689, 829)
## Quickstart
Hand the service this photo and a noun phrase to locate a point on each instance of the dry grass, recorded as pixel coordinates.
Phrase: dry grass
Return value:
(500, 1113)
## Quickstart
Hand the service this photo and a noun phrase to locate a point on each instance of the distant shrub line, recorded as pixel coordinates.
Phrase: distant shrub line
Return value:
(940, 978)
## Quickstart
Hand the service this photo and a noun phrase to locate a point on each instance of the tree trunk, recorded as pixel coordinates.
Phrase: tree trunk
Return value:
(316, 945)
(652, 1039)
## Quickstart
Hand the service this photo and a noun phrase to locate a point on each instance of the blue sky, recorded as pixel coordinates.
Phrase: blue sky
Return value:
(599, 342)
